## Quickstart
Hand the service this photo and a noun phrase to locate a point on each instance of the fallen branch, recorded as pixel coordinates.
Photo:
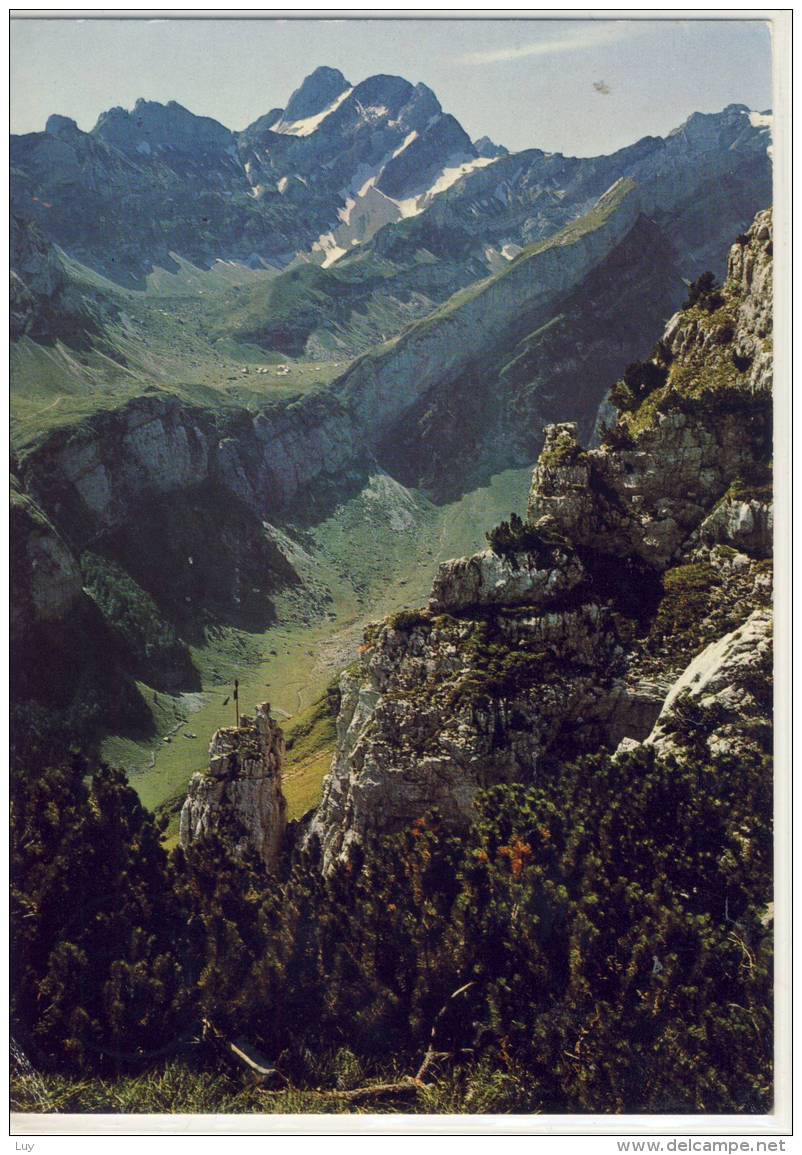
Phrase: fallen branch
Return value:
(242, 1053)
(262, 1072)
(406, 1086)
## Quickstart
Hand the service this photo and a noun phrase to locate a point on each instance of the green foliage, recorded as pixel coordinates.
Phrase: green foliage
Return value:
(609, 922)
(630, 970)
(97, 981)
(282, 314)
(752, 489)
(641, 378)
(678, 626)
(517, 536)
(704, 293)
(220, 897)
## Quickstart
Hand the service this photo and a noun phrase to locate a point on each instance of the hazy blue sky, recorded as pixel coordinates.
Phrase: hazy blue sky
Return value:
(523, 82)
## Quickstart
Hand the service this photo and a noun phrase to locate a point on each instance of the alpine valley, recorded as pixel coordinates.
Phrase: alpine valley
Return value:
(461, 460)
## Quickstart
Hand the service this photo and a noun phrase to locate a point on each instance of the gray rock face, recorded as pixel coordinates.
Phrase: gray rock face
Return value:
(742, 524)
(45, 575)
(487, 579)
(44, 305)
(378, 388)
(241, 794)
(647, 498)
(161, 124)
(723, 678)
(441, 709)
(58, 124)
(486, 147)
(56, 578)
(318, 91)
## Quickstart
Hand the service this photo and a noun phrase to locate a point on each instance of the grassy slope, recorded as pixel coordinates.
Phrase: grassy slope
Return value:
(350, 306)
(375, 554)
(151, 339)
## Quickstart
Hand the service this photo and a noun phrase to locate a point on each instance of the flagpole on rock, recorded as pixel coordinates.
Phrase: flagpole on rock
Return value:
(236, 699)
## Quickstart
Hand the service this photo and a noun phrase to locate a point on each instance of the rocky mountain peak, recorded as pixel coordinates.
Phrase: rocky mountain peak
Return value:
(486, 147)
(57, 125)
(383, 91)
(318, 91)
(152, 124)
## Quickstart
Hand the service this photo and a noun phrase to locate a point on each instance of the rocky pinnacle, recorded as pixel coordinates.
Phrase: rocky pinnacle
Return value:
(241, 795)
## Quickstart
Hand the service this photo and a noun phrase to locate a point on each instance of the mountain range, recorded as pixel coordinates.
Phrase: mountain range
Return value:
(326, 173)
(230, 346)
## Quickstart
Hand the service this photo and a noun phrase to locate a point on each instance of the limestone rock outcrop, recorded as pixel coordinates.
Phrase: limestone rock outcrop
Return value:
(742, 523)
(441, 707)
(241, 794)
(574, 636)
(689, 440)
(728, 685)
(728, 677)
(486, 579)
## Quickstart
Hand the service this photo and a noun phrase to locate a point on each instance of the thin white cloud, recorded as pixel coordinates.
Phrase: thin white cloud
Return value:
(576, 39)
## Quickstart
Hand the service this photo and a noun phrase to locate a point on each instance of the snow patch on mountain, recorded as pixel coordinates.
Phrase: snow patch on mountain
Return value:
(367, 208)
(411, 206)
(310, 124)
(413, 136)
(326, 245)
(373, 111)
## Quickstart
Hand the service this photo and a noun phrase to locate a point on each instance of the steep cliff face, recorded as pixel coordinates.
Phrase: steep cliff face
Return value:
(45, 574)
(44, 304)
(241, 796)
(434, 351)
(581, 629)
(706, 426)
(731, 681)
